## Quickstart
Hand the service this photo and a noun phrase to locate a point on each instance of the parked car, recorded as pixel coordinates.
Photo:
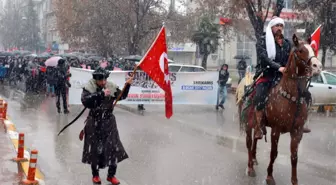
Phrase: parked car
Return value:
(323, 89)
(174, 68)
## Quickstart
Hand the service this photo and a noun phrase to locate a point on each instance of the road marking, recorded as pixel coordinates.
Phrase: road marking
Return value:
(14, 136)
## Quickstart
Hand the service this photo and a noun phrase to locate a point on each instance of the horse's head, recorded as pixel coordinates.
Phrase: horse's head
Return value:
(315, 62)
(303, 61)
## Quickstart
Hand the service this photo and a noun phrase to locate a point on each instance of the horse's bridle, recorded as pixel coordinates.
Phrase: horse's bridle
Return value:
(301, 92)
(304, 63)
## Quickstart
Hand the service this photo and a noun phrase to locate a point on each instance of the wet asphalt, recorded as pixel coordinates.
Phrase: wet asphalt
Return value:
(199, 145)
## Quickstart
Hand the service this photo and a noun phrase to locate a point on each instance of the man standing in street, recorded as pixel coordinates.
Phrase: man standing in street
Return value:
(102, 145)
(61, 86)
(222, 91)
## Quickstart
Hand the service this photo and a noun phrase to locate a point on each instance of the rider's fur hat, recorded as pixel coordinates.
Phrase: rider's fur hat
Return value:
(100, 74)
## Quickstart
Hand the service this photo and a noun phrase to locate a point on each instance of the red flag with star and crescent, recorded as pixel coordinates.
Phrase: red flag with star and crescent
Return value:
(155, 64)
(315, 40)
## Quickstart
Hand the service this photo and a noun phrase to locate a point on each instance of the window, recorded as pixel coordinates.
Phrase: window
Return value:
(187, 69)
(197, 69)
(174, 69)
(240, 45)
(244, 46)
(331, 79)
(317, 79)
(288, 4)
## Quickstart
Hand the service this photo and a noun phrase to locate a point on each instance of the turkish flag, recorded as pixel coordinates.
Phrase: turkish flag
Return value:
(155, 64)
(315, 40)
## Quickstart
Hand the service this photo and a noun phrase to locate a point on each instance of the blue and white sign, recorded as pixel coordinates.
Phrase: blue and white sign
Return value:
(188, 88)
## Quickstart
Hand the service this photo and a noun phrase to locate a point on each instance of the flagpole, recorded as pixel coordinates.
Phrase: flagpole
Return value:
(137, 66)
(316, 29)
(124, 88)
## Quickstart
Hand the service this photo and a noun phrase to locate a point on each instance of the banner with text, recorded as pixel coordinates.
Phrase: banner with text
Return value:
(188, 88)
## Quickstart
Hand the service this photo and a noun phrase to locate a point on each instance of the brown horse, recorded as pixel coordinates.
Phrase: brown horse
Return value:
(286, 110)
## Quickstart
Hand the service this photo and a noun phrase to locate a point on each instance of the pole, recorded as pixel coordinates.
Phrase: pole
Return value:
(123, 90)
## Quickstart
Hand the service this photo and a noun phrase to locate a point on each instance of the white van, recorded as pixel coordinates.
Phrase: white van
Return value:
(174, 68)
(180, 68)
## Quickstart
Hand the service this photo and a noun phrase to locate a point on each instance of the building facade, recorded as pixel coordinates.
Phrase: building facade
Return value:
(240, 45)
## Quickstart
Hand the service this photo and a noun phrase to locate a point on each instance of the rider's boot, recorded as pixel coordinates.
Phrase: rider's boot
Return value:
(308, 99)
(258, 133)
(306, 130)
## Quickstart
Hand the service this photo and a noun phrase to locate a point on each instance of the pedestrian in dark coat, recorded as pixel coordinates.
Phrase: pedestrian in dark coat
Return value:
(102, 145)
(61, 85)
(223, 77)
(51, 80)
(241, 67)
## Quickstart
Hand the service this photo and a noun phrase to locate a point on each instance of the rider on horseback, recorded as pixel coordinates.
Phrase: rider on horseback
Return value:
(273, 50)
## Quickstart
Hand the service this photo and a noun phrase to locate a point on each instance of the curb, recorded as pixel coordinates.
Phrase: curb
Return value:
(14, 137)
(130, 109)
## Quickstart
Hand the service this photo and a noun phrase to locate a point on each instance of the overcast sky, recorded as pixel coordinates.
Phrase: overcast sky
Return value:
(178, 5)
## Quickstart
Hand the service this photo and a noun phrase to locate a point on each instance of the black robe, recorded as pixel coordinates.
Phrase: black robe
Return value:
(102, 145)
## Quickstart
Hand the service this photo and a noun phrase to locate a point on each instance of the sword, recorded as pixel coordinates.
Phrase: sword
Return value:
(248, 91)
(73, 121)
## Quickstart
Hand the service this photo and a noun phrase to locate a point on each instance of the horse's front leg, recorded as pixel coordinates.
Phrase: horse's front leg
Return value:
(254, 151)
(275, 134)
(294, 146)
(250, 170)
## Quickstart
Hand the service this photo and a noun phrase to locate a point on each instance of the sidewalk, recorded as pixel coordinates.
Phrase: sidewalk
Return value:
(10, 172)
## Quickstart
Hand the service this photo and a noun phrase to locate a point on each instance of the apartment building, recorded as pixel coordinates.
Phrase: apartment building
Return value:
(47, 22)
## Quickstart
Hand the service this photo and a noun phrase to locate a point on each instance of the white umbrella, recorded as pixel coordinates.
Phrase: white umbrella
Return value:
(53, 61)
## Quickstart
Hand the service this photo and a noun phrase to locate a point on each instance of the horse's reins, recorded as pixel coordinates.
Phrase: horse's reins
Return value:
(300, 92)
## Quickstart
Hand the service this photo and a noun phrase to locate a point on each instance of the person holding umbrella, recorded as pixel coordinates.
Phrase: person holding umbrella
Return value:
(61, 85)
(61, 75)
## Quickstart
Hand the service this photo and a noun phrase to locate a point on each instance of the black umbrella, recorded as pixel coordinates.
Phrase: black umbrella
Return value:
(22, 52)
(44, 55)
(133, 58)
(95, 58)
(239, 57)
(69, 55)
(6, 53)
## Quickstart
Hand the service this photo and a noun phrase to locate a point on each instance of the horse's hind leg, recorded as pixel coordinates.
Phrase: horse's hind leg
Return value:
(294, 146)
(254, 151)
(274, 153)
(250, 170)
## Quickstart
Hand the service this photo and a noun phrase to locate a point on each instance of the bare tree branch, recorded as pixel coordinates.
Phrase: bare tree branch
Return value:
(267, 10)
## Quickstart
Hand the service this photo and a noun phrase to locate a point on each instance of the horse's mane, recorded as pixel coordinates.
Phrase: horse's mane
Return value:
(303, 42)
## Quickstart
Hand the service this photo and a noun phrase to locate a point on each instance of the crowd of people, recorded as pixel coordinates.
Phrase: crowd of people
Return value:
(30, 73)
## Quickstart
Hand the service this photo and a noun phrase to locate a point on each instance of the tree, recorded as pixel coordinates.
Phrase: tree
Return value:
(10, 24)
(110, 26)
(256, 11)
(30, 35)
(206, 37)
(323, 12)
